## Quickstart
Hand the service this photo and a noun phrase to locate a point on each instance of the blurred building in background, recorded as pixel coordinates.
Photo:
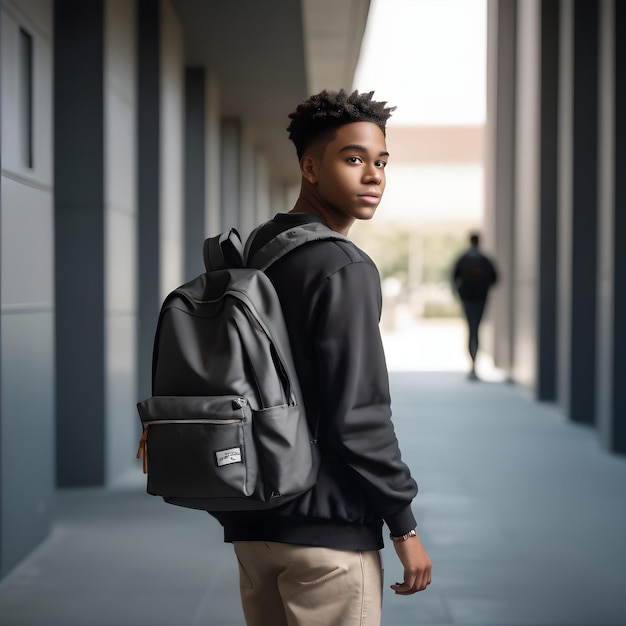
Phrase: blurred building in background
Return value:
(433, 200)
(131, 129)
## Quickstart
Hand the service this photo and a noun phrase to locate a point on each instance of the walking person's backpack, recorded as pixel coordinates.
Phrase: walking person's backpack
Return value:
(225, 427)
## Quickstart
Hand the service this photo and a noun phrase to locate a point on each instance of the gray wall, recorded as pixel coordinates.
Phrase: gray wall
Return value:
(27, 296)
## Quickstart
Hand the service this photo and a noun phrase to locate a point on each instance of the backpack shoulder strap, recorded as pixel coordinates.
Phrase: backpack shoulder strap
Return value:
(286, 241)
(223, 251)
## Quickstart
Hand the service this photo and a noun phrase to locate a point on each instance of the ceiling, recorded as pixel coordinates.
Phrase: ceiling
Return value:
(269, 55)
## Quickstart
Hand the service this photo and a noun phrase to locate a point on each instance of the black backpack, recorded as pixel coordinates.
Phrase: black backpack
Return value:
(225, 428)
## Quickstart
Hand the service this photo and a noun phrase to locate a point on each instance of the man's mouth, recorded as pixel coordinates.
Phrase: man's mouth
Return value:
(370, 197)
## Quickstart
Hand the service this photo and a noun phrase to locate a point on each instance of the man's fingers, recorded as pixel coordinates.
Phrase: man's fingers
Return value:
(407, 588)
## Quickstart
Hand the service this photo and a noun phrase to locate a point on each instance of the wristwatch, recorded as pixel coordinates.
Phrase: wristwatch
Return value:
(411, 533)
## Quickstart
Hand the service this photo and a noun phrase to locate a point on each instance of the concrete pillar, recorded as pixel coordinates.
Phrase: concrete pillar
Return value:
(578, 209)
(526, 221)
(619, 236)
(548, 184)
(172, 95)
(534, 224)
(79, 216)
(160, 176)
(565, 164)
(96, 224)
(1, 489)
(148, 188)
(611, 296)
(500, 167)
(584, 207)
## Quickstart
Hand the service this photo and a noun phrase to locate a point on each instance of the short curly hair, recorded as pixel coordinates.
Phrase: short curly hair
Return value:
(329, 110)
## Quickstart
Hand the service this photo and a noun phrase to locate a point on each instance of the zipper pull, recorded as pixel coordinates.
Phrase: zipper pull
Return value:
(239, 403)
(142, 451)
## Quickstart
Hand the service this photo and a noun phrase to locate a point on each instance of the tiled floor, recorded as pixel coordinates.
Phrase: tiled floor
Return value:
(524, 516)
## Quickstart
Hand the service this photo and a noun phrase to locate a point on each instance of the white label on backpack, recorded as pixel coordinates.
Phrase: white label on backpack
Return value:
(226, 457)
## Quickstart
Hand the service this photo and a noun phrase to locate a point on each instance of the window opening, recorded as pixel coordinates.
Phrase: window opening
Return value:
(26, 96)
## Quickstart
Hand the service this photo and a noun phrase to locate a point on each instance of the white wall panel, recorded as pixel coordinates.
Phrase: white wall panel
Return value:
(27, 246)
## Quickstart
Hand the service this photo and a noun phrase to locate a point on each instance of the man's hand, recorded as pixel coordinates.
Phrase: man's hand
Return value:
(417, 566)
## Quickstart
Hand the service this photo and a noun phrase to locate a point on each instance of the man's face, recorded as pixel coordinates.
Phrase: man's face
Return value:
(351, 171)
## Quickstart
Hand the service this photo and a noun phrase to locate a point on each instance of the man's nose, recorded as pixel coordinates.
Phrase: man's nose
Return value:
(373, 175)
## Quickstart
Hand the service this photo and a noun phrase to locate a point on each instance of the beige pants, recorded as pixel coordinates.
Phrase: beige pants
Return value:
(290, 585)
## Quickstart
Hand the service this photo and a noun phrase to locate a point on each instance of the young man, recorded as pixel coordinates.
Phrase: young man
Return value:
(474, 275)
(315, 560)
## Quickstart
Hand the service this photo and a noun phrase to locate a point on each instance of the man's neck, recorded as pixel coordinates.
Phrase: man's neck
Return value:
(308, 203)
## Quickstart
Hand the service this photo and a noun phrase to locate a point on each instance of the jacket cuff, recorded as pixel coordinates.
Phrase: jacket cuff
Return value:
(401, 521)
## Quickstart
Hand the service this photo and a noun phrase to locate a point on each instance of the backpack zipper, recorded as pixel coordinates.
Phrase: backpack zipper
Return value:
(242, 297)
(142, 451)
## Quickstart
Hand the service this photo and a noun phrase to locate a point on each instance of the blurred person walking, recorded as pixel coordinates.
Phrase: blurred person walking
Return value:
(474, 275)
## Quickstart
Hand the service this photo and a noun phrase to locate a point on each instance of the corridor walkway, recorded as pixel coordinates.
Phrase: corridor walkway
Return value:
(524, 516)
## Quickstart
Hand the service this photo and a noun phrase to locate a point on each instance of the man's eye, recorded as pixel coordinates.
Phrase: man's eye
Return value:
(355, 159)
(381, 163)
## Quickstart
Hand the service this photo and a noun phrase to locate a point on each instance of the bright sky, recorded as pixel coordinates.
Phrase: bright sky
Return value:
(427, 58)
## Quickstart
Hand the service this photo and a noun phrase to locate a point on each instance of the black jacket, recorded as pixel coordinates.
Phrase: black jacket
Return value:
(474, 274)
(332, 304)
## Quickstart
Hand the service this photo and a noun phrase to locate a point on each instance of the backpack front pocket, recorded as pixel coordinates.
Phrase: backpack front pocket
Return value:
(198, 447)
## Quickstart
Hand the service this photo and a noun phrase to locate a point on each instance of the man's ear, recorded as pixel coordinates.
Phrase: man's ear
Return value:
(308, 168)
